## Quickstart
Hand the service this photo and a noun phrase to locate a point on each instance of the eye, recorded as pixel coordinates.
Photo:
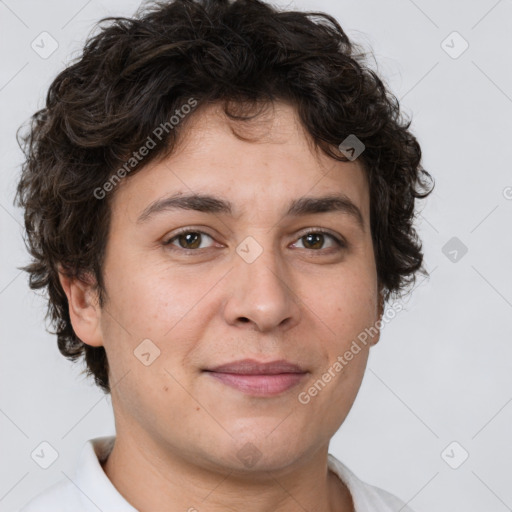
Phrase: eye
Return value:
(188, 239)
(315, 239)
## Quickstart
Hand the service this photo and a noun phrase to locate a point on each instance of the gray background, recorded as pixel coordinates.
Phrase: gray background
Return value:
(441, 372)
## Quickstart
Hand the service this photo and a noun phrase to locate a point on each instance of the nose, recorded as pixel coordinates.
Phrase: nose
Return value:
(261, 295)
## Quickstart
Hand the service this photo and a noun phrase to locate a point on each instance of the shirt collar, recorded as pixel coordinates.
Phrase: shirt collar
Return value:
(97, 491)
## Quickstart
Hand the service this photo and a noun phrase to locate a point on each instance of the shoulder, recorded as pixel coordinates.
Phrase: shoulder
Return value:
(384, 498)
(366, 497)
(60, 497)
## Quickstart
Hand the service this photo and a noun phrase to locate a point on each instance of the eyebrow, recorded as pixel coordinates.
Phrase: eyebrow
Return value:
(212, 204)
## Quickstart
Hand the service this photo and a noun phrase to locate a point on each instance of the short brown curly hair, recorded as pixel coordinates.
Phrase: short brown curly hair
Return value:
(136, 72)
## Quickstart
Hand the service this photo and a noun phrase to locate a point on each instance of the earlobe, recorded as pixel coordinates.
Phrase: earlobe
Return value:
(84, 309)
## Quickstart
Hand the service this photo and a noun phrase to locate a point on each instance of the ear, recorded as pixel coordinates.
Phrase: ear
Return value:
(84, 310)
(380, 312)
(381, 305)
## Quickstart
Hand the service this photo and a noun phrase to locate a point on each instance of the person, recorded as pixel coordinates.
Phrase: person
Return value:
(219, 200)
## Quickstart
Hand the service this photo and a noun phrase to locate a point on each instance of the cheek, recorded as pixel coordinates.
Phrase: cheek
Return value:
(347, 304)
(150, 301)
(152, 311)
(349, 310)
(342, 308)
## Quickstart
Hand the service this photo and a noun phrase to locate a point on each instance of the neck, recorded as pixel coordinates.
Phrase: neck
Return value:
(151, 479)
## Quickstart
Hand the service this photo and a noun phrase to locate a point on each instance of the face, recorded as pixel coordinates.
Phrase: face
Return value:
(206, 283)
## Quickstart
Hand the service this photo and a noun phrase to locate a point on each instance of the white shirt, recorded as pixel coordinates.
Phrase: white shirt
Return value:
(90, 490)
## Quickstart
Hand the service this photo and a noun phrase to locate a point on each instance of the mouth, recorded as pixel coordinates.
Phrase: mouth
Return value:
(257, 378)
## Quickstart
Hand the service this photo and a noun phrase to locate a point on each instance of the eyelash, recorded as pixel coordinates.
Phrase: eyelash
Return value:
(339, 242)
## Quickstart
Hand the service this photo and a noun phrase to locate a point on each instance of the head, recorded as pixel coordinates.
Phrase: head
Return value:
(289, 247)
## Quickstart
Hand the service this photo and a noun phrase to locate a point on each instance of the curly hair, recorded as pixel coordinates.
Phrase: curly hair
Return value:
(136, 72)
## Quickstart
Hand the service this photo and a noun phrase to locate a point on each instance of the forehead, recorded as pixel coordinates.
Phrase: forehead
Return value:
(265, 163)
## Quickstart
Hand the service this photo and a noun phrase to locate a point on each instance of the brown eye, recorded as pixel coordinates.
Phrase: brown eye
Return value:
(188, 240)
(315, 240)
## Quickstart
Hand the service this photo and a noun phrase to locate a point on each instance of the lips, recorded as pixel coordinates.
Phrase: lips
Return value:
(253, 367)
(257, 378)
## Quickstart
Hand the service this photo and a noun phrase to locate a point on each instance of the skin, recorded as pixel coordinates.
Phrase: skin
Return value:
(179, 429)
